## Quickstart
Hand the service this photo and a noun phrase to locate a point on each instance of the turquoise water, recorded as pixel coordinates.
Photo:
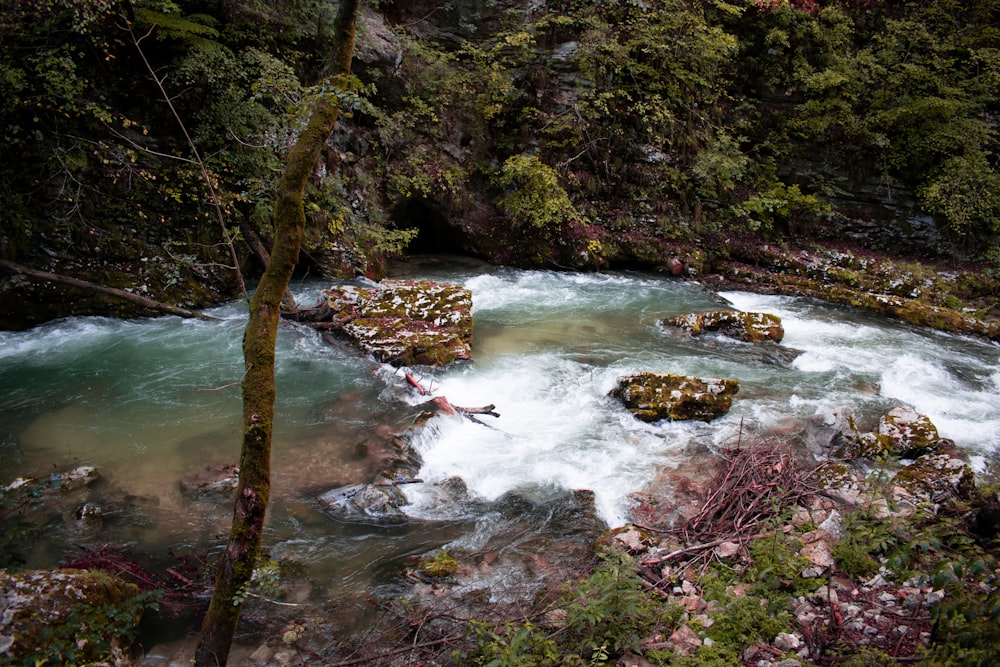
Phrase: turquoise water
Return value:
(150, 401)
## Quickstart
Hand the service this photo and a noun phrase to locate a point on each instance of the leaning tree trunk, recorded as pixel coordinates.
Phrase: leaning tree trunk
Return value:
(237, 561)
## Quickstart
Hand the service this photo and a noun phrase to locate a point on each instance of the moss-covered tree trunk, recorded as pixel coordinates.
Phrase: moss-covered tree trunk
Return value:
(237, 562)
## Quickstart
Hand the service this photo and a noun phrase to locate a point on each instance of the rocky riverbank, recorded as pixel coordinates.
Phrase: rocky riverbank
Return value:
(958, 298)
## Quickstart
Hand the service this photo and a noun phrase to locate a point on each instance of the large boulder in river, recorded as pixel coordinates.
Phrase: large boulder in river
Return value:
(655, 396)
(45, 615)
(749, 327)
(404, 322)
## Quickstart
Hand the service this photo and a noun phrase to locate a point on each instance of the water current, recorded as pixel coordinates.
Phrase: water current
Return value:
(150, 401)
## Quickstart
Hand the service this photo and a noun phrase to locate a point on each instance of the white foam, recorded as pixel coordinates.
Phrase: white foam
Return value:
(557, 430)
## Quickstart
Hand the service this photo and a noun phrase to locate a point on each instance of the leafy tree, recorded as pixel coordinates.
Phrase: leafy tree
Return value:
(531, 195)
(903, 94)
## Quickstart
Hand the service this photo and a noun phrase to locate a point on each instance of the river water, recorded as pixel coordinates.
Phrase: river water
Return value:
(150, 401)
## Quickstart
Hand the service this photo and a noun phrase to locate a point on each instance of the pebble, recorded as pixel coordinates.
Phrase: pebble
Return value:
(786, 642)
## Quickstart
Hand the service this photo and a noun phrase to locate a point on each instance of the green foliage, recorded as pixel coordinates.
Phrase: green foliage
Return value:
(889, 95)
(90, 633)
(777, 564)
(779, 205)
(197, 30)
(531, 194)
(512, 645)
(659, 78)
(853, 552)
(965, 191)
(744, 621)
(605, 615)
(966, 623)
(611, 608)
(264, 582)
(720, 165)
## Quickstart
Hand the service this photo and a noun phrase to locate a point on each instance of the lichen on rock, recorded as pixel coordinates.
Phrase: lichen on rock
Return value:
(405, 322)
(655, 396)
(902, 433)
(937, 477)
(43, 610)
(749, 327)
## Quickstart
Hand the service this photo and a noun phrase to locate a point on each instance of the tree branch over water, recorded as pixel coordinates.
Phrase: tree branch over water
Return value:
(131, 297)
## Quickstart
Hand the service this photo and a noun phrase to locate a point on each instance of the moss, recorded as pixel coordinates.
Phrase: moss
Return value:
(407, 322)
(655, 396)
(442, 564)
(937, 476)
(68, 615)
(749, 327)
(833, 475)
(870, 446)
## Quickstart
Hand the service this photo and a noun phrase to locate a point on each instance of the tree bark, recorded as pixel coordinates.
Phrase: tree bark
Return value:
(237, 562)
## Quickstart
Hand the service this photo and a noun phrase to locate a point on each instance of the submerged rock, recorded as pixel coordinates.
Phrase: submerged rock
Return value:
(404, 322)
(749, 327)
(378, 504)
(59, 482)
(219, 479)
(520, 544)
(654, 396)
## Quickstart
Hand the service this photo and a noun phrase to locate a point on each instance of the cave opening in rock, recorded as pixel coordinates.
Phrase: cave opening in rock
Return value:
(435, 233)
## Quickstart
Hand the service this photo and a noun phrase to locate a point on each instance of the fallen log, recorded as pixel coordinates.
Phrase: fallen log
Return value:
(446, 406)
(137, 299)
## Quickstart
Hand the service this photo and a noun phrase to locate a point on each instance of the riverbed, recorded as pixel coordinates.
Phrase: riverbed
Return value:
(148, 402)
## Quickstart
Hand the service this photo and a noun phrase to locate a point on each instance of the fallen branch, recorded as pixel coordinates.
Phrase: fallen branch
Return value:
(413, 382)
(446, 406)
(485, 410)
(397, 651)
(696, 548)
(131, 297)
(755, 481)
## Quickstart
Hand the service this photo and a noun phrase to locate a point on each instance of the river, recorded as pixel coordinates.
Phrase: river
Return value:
(150, 401)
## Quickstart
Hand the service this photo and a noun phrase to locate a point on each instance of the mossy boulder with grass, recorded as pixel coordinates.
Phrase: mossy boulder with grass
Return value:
(405, 322)
(749, 327)
(653, 396)
(67, 617)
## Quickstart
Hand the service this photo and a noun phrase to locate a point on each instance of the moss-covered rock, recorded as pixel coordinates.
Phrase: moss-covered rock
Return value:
(66, 616)
(654, 396)
(937, 477)
(935, 296)
(902, 433)
(406, 322)
(749, 327)
(911, 433)
(442, 564)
